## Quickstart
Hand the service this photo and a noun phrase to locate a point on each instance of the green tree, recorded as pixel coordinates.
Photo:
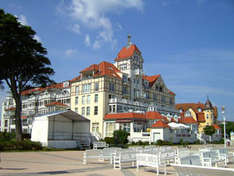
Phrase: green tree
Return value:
(209, 130)
(120, 137)
(23, 63)
(229, 127)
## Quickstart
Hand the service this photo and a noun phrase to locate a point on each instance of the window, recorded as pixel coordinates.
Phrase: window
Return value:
(111, 87)
(88, 111)
(110, 108)
(160, 89)
(124, 90)
(83, 99)
(171, 101)
(187, 114)
(77, 90)
(76, 110)
(124, 79)
(207, 116)
(86, 88)
(163, 99)
(96, 98)
(199, 109)
(155, 97)
(6, 123)
(96, 86)
(83, 111)
(76, 100)
(113, 108)
(88, 99)
(95, 110)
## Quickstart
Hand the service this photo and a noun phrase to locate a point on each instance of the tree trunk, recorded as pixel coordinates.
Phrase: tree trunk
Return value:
(18, 123)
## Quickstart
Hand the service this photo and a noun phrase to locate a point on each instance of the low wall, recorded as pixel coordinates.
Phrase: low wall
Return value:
(64, 144)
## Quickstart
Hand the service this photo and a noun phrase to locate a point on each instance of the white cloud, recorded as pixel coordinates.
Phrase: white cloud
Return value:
(36, 37)
(96, 44)
(22, 19)
(92, 14)
(76, 28)
(70, 52)
(87, 40)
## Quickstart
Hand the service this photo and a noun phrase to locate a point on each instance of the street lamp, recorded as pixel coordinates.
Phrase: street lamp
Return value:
(224, 127)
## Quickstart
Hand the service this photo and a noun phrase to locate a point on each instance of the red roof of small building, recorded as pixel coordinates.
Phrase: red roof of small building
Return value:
(56, 104)
(160, 124)
(153, 115)
(173, 120)
(200, 117)
(127, 52)
(216, 126)
(188, 120)
(129, 115)
(193, 106)
(24, 117)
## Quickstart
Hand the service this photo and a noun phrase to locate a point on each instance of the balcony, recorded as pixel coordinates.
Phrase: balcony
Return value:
(127, 102)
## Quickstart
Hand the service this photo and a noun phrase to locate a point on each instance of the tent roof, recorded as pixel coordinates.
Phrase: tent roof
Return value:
(177, 125)
(70, 115)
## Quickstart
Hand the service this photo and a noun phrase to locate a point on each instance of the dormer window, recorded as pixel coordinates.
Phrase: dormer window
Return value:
(187, 114)
(199, 110)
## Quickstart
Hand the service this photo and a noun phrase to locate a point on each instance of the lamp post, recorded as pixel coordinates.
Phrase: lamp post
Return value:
(224, 127)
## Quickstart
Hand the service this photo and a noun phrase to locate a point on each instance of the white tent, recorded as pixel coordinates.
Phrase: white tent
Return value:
(174, 125)
(64, 129)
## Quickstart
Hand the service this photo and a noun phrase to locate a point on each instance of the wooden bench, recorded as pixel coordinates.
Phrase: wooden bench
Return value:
(91, 154)
(121, 157)
(192, 170)
(150, 160)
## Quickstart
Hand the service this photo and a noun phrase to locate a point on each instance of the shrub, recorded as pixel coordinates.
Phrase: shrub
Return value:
(120, 137)
(22, 145)
(109, 140)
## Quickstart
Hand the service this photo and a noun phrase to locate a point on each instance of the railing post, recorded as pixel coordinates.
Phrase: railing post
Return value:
(85, 158)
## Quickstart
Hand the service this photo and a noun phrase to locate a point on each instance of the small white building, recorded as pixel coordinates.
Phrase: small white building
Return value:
(65, 129)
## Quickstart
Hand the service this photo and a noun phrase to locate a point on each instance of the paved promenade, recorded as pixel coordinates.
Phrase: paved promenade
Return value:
(63, 163)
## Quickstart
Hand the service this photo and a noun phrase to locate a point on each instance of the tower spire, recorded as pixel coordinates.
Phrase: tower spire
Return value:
(129, 40)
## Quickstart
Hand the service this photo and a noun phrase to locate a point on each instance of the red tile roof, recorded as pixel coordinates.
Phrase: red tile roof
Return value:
(216, 126)
(151, 79)
(107, 69)
(93, 67)
(129, 115)
(200, 117)
(40, 89)
(102, 69)
(76, 78)
(152, 115)
(160, 124)
(127, 52)
(173, 120)
(10, 109)
(193, 106)
(55, 104)
(188, 120)
(170, 92)
(24, 117)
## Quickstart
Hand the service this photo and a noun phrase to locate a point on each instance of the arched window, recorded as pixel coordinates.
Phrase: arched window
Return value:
(187, 114)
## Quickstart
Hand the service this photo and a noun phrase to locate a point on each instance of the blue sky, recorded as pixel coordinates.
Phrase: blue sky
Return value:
(189, 42)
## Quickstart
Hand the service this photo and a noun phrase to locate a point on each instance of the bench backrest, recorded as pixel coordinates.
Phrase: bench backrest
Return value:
(184, 170)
